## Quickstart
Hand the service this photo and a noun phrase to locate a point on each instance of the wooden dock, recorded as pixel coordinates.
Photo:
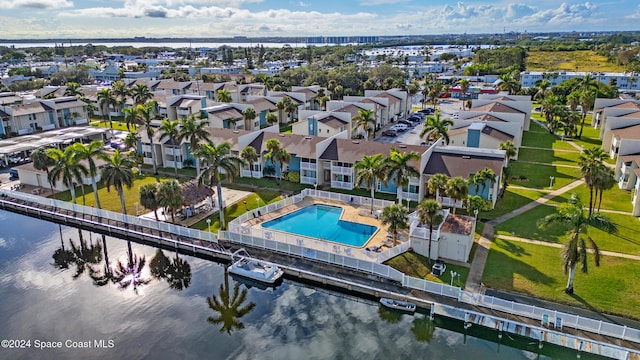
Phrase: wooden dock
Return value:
(336, 277)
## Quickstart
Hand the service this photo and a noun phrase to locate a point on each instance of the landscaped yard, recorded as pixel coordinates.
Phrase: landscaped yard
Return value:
(568, 157)
(525, 226)
(416, 265)
(115, 124)
(536, 176)
(540, 137)
(613, 199)
(271, 183)
(536, 270)
(513, 199)
(579, 60)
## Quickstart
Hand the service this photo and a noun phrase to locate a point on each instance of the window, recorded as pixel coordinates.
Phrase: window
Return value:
(327, 131)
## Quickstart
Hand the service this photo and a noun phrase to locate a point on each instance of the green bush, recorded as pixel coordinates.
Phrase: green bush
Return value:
(293, 176)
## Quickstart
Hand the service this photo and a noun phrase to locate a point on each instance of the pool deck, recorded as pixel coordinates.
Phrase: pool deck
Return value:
(353, 213)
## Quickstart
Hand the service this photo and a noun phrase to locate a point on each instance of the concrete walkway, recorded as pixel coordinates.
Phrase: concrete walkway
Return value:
(484, 243)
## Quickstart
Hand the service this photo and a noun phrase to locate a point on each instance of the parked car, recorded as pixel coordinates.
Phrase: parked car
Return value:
(13, 174)
(14, 159)
(390, 132)
(406, 122)
(399, 127)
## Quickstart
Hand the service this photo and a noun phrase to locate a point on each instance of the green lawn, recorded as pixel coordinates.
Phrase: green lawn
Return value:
(271, 183)
(537, 136)
(549, 156)
(416, 265)
(536, 176)
(613, 199)
(525, 226)
(537, 270)
(513, 199)
(109, 200)
(117, 125)
(237, 209)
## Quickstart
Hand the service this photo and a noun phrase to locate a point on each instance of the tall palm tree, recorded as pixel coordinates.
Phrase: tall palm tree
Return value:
(169, 197)
(542, 87)
(587, 99)
(429, 214)
(435, 127)
(131, 141)
(149, 198)
(90, 153)
(271, 118)
(457, 189)
(437, 184)
(464, 88)
(117, 173)
(370, 170)
(233, 122)
(194, 130)
(250, 156)
(219, 158)
(224, 96)
(396, 216)
(229, 307)
(106, 100)
(365, 121)
(397, 167)
(278, 154)
(509, 83)
(482, 177)
(249, 114)
(141, 94)
(591, 162)
(290, 108)
(571, 214)
(42, 161)
(171, 130)
(146, 114)
(605, 180)
(73, 89)
(510, 149)
(130, 116)
(66, 167)
(281, 105)
(120, 92)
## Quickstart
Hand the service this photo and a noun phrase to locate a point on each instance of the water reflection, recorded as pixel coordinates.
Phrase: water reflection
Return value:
(176, 271)
(62, 257)
(229, 309)
(129, 274)
(423, 328)
(85, 256)
(104, 276)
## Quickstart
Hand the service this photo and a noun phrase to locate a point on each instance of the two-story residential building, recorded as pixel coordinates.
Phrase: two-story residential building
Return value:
(482, 134)
(322, 123)
(263, 105)
(182, 106)
(617, 128)
(230, 116)
(40, 114)
(627, 171)
(353, 104)
(603, 108)
(399, 105)
(504, 106)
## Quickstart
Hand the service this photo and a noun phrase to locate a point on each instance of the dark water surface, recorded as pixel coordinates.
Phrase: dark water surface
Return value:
(187, 308)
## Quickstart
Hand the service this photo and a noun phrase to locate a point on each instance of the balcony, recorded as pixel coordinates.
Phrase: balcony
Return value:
(409, 195)
(248, 174)
(173, 151)
(184, 112)
(308, 180)
(308, 166)
(341, 170)
(148, 161)
(447, 201)
(423, 232)
(341, 185)
(626, 168)
(170, 164)
(162, 111)
(146, 148)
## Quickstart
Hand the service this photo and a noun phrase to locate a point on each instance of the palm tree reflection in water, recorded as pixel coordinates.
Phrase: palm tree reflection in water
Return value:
(176, 272)
(130, 274)
(229, 309)
(106, 276)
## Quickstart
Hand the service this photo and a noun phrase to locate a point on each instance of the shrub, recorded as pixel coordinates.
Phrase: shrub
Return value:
(293, 176)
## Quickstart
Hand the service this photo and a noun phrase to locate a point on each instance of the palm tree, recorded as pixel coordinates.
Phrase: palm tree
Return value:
(102, 278)
(250, 156)
(278, 154)
(429, 214)
(365, 121)
(509, 83)
(224, 96)
(106, 99)
(605, 180)
(219, 159)
(131, 140)
(541, 87)
(591, 162)
(193, 131)
(90, 153)
(85, 256)
(587, 99)
(42, 161)
(397, 166)
(571, 214)
(423, 328)
(464, 88)
(179, 274)
(232, 121)
(73, 89)
(510, 149)
(120, 92)
(481, 177)
(149, 198)
(66, 167)
(145, 116)
(229, 307)
(397, 217)
(281, 105)
(171, 130)
(141, 94)
(290, 108)
(370, 170)
(249, 114)
(130, 116)
(437, 184)
(457, 190)
(130, 274)
(271, 118)
(117, 173)
(169, 197)
(436, 127)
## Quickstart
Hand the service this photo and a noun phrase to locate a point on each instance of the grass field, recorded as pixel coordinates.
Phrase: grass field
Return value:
(613, 199)
(418, 266)
(539, 137)
(513, 199)
(625, 241)
(536, 270)
(582, 60)
(568, 157)
(536, 176)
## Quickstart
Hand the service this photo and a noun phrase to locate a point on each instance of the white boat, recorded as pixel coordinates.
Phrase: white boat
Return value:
(398, 305)
(244, 265)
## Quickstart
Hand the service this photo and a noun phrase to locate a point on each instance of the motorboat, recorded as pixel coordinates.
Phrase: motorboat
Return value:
(242, 264)
(398, 304)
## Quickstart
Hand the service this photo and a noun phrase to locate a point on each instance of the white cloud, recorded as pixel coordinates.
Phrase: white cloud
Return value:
(304, 4)
(35, 4)
(380, 2)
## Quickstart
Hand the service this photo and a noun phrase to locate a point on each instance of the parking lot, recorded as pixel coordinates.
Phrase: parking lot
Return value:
(447, 108)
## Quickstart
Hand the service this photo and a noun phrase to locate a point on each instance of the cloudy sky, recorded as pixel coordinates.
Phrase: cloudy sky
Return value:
(30, 19)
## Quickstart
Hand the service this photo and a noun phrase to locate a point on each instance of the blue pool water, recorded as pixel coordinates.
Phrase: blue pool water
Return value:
(323, 222)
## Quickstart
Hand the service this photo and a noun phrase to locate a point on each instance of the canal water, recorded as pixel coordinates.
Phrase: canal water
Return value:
(56, 291)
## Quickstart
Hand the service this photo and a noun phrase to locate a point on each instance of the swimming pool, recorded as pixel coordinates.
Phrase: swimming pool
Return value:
(323, 222)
